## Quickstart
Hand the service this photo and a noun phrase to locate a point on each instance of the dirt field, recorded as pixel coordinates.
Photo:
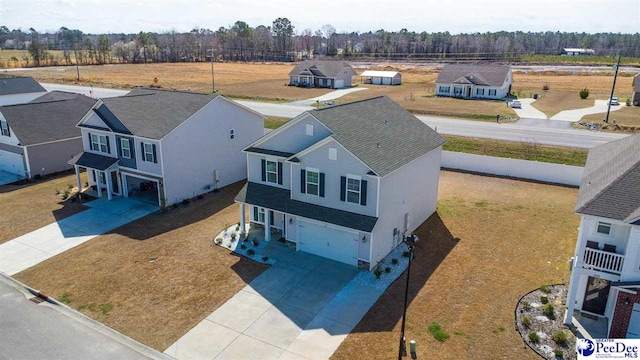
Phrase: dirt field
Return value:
(28, 207)
(155, 278)
(513, 237)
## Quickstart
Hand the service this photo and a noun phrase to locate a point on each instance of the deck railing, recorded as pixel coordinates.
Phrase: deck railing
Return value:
(603, 260)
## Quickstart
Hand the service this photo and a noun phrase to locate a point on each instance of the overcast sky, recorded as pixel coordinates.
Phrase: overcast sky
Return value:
(455, 16)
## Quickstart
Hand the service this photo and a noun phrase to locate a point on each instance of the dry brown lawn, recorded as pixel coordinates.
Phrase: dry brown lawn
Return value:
(155, 278)
(628, 117)
(514, 236)
(30, 206)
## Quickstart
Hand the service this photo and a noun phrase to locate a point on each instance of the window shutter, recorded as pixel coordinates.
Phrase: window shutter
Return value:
(142, 151)
(155, 159)
(108, 147)
(264, 169)
(255, 213)
(119, 147)
(303, 181)
(280, 173)
(363, 192)
(343, 188)
(271, 217)
(90, 143)
(321, 184)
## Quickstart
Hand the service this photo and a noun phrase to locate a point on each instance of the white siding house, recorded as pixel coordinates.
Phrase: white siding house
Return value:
(474, 81)
(332, 74)
(19, 90)
(322, 184)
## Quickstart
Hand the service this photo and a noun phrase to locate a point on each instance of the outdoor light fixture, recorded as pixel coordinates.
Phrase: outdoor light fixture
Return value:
(627, 301)
(364, 239)
(290, 220)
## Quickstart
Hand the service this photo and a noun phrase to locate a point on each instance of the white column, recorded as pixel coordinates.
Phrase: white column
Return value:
(242, 219)
(576, 272)
(267, 225)
(98, 183)
(119, 182)
(109, 185)
(78, 181)
(124, 189)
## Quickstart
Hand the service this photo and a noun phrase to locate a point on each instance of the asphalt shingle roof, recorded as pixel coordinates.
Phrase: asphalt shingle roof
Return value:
(380, 132)
(93, 161)
(326, 68)
(611, 179)
(489, 75)
(280, 200)
(19, 85)
(43, 121)
(153, 113)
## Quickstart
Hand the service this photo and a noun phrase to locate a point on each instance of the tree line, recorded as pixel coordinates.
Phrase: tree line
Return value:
(280, 41)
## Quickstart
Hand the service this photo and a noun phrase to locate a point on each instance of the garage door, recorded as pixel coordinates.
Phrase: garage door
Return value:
(328, 242)
(339, 84)
(386, 81)
(12, 163)
(633, 332)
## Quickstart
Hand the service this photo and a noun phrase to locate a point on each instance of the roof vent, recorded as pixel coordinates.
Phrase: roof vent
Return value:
(377, 145)
(386, 122)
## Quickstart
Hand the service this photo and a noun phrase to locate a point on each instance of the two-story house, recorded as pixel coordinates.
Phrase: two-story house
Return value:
(166, 146)
(344, 182)
(605, 273)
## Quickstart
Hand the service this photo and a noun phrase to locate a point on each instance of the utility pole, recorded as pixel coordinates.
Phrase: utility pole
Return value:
(75, 52)
(213, 83)
(615, 76)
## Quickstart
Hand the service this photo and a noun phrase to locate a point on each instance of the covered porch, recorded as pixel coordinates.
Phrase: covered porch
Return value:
(102, 174)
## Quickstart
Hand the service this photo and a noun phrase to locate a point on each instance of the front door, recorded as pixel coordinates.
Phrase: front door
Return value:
(115, 183)
(596, 295)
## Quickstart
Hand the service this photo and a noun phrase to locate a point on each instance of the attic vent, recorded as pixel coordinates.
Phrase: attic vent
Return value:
(386, 122)
(377, 145)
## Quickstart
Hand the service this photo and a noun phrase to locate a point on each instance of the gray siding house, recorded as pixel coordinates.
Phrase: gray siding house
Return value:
(324, 74)
(474, 81)
(165, 146)
(19, 90)
(335, 190)
(40, 137)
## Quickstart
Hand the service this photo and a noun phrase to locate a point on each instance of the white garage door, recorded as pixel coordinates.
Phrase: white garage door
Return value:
(338, 84)
(328, 242)
(12, 163)
(386, 81)
(633, 331)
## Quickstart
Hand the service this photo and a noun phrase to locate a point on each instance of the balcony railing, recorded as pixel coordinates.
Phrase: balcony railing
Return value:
(603, 261)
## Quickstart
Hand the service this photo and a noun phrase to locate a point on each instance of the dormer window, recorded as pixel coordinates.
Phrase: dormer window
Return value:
(604, 228)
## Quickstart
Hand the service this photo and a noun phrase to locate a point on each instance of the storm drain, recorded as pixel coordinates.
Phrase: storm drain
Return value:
(37, 300)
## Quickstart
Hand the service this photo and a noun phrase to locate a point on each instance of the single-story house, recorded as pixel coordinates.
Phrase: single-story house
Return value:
(333, 74)
(381, 77)
(577, 51)
(474, 81)
(40, 137)
(165, 146)
(19, 90)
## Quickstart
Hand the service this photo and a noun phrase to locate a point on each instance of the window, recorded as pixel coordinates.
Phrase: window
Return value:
(492, 92)
(99, 143)
(149, 154)
(261, 216)
(4, 127)
(457, 90)
(309, 130)
(272, 172)
(333, 154)
(444, 89)
(313, 182)
(353, 190)
(125, 148)
(604, 228)
(479, 91)
(232, 134)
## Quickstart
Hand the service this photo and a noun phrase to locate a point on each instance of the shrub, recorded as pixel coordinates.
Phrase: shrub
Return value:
(406, 254)
(533, 337)
(234, 235)
(218, 240)
(545, 289)
(394, 261)
(377, 272)
(65, 195)
(584, 93)
(526, 305)
(560, 337)
(549, 310)
(200, 197)
(243, 246)
(544, 299)
(251, 252)
(545, 87)
(185, 202)
(57, 192)
(69, 186)
(174, 206)
(438, 333)
(86, 184)
(387, 269)
(255, 242)
(265, 258)
(526, 321)
(558, 353)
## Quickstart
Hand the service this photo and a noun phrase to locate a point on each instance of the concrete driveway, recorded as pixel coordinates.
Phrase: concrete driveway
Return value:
(39, 245)
(326, 97)
(300, 308)
(599, 107)
(528, 111)
(8, 178)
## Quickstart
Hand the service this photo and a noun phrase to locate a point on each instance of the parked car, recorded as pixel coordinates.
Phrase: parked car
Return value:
(614, 101)
(515, 104)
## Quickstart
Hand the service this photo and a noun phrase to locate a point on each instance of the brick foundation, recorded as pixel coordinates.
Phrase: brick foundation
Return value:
(622, 314)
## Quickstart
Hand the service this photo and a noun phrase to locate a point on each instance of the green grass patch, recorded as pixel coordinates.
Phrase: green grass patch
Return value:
(274, 122)
(438, 333)
(106, 308)
(517, 150)
(607, 60)
(65, 298)
(275, 100)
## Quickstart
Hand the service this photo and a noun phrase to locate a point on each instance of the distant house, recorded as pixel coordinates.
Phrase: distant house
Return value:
(635, 96)
(165, 146)
(605, 269)
(577, 51)
(322, 74)
(381, 77)
(19, 90)
(40, 137)
(474, 81)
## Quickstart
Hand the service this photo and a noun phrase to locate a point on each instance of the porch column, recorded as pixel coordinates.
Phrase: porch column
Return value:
(119, 182)
(124, 189)
(242, 219)
(267, 225)
(576, 272)
(78, 178)
(98, 185)
(107, 175)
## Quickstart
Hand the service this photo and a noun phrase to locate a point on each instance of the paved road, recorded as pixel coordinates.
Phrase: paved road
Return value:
(85, 90)
(48, 331)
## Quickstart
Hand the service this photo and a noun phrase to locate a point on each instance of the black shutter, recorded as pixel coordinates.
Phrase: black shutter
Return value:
(142, 152)
(343, 188)
(108, 147)
(270, 217)
(303, 181)
(279, 173)
(155, 159)
(321, 184)
(119, 147)
(255, 213)
(90, 143)
(363, 192)
(264, 170)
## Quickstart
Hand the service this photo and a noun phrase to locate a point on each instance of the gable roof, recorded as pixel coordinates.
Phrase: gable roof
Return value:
(379, 132)
(325, 68)
(19, 85)
(488, 75)
(610, 181)
(636, 82)
(45, 120)
(153, 113)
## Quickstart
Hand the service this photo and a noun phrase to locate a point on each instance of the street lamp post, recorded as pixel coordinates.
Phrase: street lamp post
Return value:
(402, 350)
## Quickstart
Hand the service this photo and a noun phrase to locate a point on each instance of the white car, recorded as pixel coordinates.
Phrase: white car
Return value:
(614, 101)
(515, 104)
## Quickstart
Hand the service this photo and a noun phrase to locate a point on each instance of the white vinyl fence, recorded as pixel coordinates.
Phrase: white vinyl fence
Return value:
(523, 169)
